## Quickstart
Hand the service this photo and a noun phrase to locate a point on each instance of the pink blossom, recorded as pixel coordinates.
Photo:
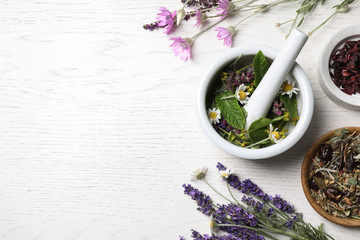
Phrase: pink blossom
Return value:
(223, 9)
(166, 19)
(225, 34)
(181, 47)
(199, 18)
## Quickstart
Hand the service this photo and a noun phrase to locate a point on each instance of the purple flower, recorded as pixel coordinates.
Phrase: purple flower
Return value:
(278, 107)
(289, 224)
(199, 18)
(166, 19)
(151, 26)
(281, 204)
(225, 34)
(251, 188)
(271, 212)
(203, 201)
(181, 47)
(258, 206)
(223, 9)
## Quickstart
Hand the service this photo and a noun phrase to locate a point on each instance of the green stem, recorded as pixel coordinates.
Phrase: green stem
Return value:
(245, 19)
(216, 191)
(257, 143)
(323, 23)
(271, 229)
(206, 29)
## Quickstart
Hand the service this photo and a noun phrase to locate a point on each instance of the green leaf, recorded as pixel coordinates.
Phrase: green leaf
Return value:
(261, 66)
(257, 130)
(231, 110)
(263, 122)
(290, 105)
(353, 181)
(258, 135)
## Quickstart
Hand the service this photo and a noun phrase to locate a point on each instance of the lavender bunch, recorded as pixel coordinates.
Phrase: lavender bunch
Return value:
(216, 11)
(255, 217)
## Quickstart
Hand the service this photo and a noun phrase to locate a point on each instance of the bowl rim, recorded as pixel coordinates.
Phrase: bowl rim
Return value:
(326, 83)
(261, 153)
(312, 151)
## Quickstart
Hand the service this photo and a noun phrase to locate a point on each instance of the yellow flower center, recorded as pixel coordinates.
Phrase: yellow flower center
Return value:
(287, 87)
(212, 115)
(242, 95)
(276, 135)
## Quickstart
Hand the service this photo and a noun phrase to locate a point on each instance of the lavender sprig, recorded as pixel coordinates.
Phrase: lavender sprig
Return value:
(256, 216)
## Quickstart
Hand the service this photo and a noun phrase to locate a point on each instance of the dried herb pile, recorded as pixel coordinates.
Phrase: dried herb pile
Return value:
(345, 67)
(335, 175)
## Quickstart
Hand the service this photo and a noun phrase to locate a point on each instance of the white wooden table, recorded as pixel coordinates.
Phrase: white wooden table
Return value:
(98, 125)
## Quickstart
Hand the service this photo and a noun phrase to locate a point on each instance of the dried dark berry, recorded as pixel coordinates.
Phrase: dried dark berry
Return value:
(312, 184)
(325, 152)
(333, 194)
(350, 162)
(317, 181)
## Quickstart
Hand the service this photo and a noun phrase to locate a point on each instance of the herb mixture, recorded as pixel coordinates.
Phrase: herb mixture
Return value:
(335, 174)
(228, 116)
(345, 67)
(256, 216)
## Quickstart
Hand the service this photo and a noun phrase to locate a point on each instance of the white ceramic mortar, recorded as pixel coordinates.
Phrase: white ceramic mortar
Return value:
(305, 104)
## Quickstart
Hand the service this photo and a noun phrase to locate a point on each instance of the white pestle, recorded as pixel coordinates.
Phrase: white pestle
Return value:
(260, 101)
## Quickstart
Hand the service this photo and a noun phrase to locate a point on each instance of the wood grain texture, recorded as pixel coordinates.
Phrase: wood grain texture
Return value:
(98, 126)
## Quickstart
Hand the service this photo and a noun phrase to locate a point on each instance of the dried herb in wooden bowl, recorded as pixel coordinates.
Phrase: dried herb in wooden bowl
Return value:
(335, 175)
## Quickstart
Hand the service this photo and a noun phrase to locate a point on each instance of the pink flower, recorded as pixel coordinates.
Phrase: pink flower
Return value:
(225, 34)
(166, 19)
(199, 18)
(181, 47)
(223, 9)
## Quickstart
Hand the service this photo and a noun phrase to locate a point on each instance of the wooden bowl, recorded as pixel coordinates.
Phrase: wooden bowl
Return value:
(305, 171)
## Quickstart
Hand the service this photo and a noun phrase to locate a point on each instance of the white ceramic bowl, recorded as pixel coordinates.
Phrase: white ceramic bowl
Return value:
(326, 83)
(305, 104)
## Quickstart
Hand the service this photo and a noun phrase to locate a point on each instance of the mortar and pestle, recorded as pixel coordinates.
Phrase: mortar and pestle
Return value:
(282, 67)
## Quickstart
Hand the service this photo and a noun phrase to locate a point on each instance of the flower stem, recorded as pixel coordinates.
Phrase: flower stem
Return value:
(323, 23)
(257, 143)
(206, 29)
(216, 191)
(242, 20)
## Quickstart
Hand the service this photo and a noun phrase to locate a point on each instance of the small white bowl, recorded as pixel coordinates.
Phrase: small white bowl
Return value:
(326, 83)
(305, 103)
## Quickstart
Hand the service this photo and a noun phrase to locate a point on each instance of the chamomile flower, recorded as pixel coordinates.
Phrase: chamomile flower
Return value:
(214, 115)
(198, 173)
(289, 89)
(241, 94)
(212, 224)
(225, 173)
(274, 135)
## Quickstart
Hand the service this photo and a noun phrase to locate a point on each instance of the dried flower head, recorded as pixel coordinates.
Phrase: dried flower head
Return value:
(200, 17)
(274, 135)
(225, 173)
(241, 94)
(289, 89)
(181, 47)
(198, 173)
(225, 34)
(166, 19)
(224, 8)
(214, 115)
